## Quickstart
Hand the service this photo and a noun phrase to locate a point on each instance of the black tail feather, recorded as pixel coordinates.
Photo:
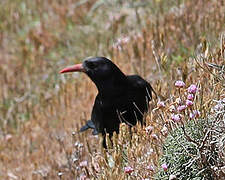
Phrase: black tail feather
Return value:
(89, 125)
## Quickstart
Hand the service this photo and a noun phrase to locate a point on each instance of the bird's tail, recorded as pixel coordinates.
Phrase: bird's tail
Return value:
(89, 125)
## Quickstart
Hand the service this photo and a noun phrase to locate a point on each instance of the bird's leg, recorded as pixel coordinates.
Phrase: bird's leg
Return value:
(104, 141)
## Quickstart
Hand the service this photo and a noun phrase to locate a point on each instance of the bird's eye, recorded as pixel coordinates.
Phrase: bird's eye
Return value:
(92, 65)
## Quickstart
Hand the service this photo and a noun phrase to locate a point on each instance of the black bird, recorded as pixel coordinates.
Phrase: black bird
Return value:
(120, 98)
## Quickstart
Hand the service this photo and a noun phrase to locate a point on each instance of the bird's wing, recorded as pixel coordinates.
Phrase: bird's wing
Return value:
(141, 86)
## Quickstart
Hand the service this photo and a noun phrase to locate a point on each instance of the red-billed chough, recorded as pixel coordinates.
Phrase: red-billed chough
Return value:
(120, 98)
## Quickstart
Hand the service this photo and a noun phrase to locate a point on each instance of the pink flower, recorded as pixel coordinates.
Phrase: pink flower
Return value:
(128, 169)
(161, 104)
(179, 84)
(190, 97)
(149, 129)
(164, 166)
(181, 108)
(176, 117)
(8, 137)
(150, 168)
(189, 103)
(83, 164)
(192, 89)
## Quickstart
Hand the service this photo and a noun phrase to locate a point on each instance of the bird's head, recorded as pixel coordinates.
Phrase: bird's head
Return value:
(102, 71)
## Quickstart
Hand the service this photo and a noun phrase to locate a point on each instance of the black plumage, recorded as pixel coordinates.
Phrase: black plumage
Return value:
(120, 98)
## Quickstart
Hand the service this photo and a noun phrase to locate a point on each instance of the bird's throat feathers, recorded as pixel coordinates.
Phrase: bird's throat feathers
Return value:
(111, 85)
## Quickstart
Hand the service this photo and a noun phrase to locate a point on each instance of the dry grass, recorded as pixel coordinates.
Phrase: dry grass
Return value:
(41, 111)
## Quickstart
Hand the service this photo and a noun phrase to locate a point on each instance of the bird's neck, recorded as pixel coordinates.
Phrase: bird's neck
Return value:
(112, 86)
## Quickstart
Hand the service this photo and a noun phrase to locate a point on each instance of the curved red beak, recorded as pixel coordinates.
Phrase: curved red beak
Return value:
(75, 68)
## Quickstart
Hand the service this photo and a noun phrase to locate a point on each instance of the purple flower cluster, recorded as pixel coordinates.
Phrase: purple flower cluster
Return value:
(189, 103)
(181, 108)
(192, 89)
(181, 105)
(179, 84)
(190, 97)
(176, 117)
